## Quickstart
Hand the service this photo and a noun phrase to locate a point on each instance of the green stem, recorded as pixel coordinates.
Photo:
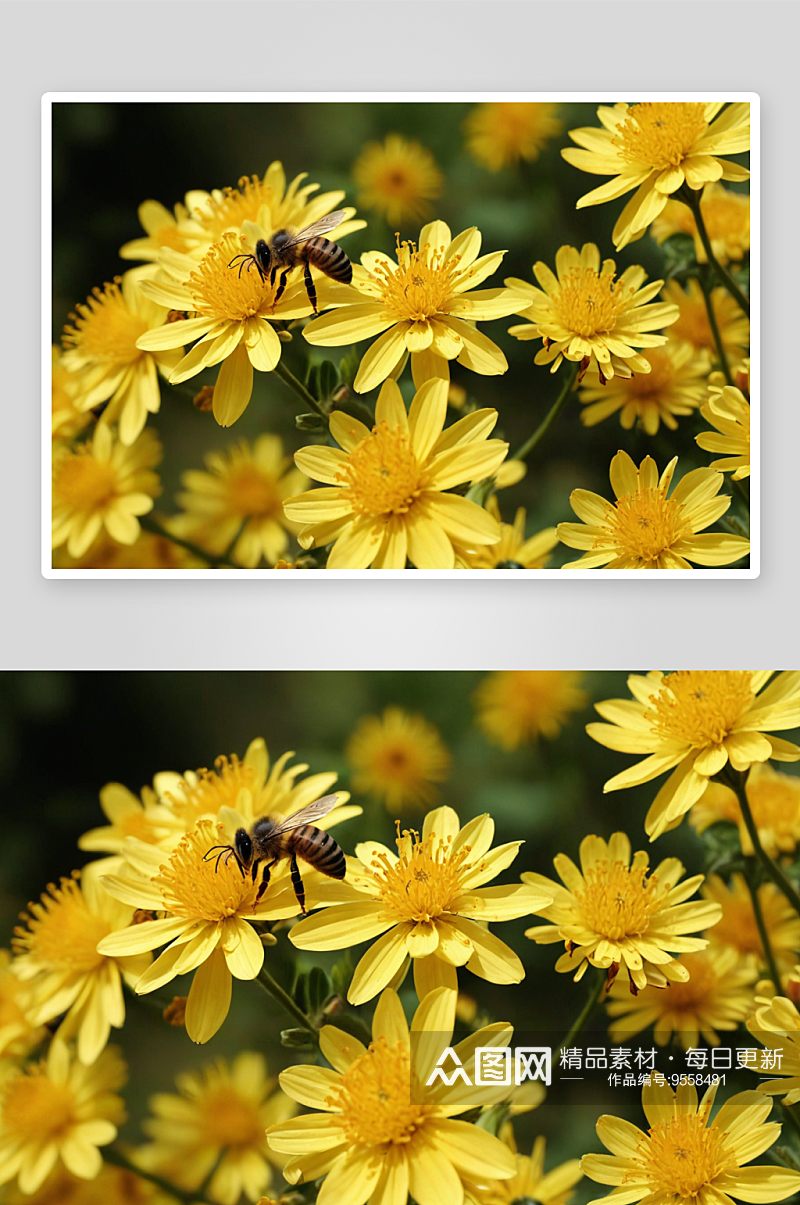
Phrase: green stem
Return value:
(149, 524)
(789, 1112)
(763, 932)
(193, 1196)
(203, 1189)
(228, 553)
(742, 492)
(712, 322)
(693, 201)
(736, 782)
(586, 1012)
(550, 417)
(288, 378)
(286, 1002)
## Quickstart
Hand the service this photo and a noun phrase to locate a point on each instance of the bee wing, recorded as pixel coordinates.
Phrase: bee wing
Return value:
(316, 228)
(307, 815)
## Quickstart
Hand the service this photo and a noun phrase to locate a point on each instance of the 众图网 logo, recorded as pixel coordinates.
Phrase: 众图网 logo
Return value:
(495, 1066)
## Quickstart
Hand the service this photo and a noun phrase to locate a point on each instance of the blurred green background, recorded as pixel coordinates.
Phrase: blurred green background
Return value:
(64, 735)
(108, 158)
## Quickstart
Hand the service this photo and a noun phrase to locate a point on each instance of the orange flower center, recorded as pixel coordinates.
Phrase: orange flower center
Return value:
(645, 524)
(700, 988)
(421, 286)
(82, 483)
(213, 790)
(201, 890)
(617, 900)
(383, 473)
(589, 302)
(252, 492)
(229, 1119)
(227, 294)
(682, 1155)
(236, 205)
(36, 1109)
(660, 133)
(700, 707)
(375, 1097)
(422, 883)
(105, 330)
(61, 931)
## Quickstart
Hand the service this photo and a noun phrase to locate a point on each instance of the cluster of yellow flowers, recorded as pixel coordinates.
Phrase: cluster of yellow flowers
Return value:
(180, 873)
(401, 485)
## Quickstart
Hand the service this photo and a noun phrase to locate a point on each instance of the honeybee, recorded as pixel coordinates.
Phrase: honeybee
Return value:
(286, 251)
(271, 839)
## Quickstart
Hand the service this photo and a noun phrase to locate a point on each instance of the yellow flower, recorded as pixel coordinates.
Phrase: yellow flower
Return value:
(111, 1186)
(57, 959)
(776, 1024)
(382, 1132)
(729, 413)
(737, 926)
(727, 220)
(513, 551)
(397, 179)
(104, 354)
(675, 385)
(774, 800)
(614, 913)
(426, 902)
(243, 484)
(692, 325)
(103, 484)
(717, 996)
(162, 229)
(684, 1159)
(587, 317)
(149, 551)
(68, 417)
(386, 500)
(499, 134)
(18, 1035)
(518, 705)
(694, 722)
(215, 1124)
(234, 313)
(144, 818)
(59, 1110)
(645, 529)
(530, 1183)
(420, 305)
(655, 148)
(397, 758)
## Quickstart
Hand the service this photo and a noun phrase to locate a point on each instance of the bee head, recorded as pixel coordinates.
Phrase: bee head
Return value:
(243, 846)
(263, 255)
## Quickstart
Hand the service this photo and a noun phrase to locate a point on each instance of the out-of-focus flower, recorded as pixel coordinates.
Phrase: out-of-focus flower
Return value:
(737, 925)
(646, 529)
(513, 551)
(398, 757)
(426, 902)
(692, 325)
(111, 1186)
(501, 133)
(149, 551)
(675, 385)
(694, 722)
(614, 913)
(774, 800)
(68, 418)
(586, 316)
(531, 1182)
(726, 216)
(397, 178)
(513, 706)
(18, 1035)
(729, 413)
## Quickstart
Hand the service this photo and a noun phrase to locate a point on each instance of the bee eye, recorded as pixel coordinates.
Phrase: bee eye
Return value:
(244, 846)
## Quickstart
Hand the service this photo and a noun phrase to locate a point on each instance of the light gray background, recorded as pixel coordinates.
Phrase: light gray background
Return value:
(372, 45)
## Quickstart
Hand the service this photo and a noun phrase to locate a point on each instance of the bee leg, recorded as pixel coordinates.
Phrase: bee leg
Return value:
(312, 292)
(281, 287)
(264, 880)
(297, 883)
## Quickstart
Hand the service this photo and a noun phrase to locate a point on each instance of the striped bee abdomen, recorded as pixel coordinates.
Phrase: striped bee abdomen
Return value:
(319, 849)
(328, 256)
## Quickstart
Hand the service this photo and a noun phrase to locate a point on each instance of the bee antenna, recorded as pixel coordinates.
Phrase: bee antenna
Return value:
(227, 850)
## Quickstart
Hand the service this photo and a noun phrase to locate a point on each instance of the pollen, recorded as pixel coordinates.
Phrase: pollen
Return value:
(382, 473)
(201, 890)
(423, 284)
(80, 482)
(589, 302)
(375, 1097)
(36, 1109)
(420, 886)
(617, 900)
(227, 293)
(682, 1156)
(645, 524)
(700, 707)
(660, 133)
(236, 205)
(230, 1120)
(104, 329)
(61, 931)
(213, 790)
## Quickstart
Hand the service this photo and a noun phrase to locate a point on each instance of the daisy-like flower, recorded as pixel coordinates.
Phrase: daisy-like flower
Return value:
(584, 315)
(729, 414)
(398, 757)
(215, 1124)
(130, 816)
(717, 997)
(383, 1132)
(426, 902)
(232, 325)
(737, 926)
(646, 529)
(111, 1186)
(674, 386)
(423, 305)
(501, 133)
(774, 800)
(243, 484)
(531, 1182)
(513, 551)
(518, 705)
(18, 1035)
(397, 178)
(59, 1110)
(692, 325)
(726, 216)
(103, 484)
(683, 1158)
(57, 960)
(614, 913)
(149, 551)
(694, 722)
(776, 1024)
(68, 417)
(162, 229)
(102, 350)
(655, 148)
(386, 500)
